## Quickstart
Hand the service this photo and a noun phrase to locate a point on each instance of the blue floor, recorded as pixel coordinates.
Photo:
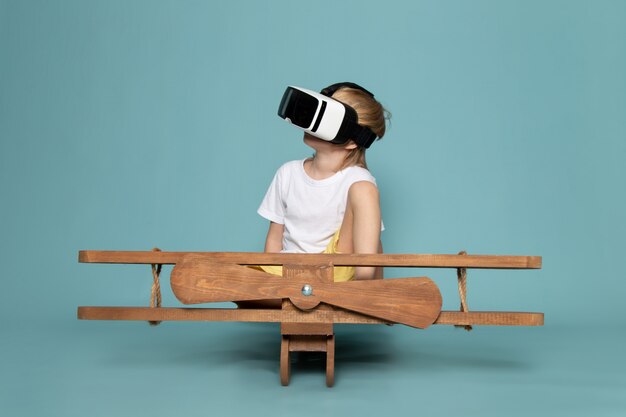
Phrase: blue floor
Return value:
(88, 368)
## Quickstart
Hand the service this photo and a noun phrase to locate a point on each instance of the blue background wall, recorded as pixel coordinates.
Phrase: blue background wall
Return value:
(127, 125)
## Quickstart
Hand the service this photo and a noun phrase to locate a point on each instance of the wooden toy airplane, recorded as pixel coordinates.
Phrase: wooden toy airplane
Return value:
(311, 301)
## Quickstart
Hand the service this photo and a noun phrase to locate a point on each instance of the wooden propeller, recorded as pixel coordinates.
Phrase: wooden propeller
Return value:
(415, 302)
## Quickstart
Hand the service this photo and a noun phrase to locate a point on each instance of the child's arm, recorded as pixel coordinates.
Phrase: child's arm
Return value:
(274, 239)
(380, 273)
(360, 231)
(366, 229)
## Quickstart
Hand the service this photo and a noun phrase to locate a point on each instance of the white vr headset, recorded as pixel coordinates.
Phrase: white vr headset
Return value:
(324, 117)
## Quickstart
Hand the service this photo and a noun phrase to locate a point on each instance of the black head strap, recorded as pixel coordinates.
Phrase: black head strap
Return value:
(330, 90)
(363, 136)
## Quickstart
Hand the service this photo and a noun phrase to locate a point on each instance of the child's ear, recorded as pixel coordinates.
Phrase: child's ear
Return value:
(350, 145)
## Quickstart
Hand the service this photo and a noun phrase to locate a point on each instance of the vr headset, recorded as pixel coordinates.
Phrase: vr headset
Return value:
(324, 117)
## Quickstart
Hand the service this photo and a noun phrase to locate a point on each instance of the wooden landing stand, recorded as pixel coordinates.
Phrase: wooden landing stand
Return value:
(307, 337)
(307, 319)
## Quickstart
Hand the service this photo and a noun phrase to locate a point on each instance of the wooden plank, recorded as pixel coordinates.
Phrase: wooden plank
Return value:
(222, 314)
(490, 318)
(179, 314)
(255, 258)
(487, 318)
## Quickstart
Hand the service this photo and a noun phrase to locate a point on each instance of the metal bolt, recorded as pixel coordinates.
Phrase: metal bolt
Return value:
(307, 290)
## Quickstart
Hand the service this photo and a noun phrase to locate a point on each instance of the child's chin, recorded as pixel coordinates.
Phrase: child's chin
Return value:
(313, 141)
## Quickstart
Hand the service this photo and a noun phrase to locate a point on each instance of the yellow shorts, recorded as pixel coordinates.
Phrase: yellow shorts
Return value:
(341, 273)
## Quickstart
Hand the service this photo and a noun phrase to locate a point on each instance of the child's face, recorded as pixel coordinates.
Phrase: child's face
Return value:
(321, 145)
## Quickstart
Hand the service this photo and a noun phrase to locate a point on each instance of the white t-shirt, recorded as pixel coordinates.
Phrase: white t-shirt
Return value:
(311, 210)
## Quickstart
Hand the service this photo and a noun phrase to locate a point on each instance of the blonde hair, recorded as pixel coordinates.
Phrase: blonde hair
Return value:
(369, 112)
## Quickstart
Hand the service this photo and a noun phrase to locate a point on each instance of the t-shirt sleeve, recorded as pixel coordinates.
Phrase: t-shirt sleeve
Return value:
(272, 207)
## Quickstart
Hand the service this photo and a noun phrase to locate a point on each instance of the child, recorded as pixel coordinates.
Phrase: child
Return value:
(329, 203)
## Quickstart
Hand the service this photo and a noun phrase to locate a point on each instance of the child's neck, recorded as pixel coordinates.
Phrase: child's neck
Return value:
(324, 165)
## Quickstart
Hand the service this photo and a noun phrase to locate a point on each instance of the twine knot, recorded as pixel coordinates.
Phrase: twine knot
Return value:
(461, 274)
(155, 295)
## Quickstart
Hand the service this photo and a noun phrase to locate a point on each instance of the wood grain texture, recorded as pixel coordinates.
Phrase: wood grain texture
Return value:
(255, 258)
(223, 314)
(330, 361)
(307, 328)
(325, 326)
(415, 302)
(196, 279)
(308, 343)
(490, 318)
(312, 275)
(485, 318)
(285, 361)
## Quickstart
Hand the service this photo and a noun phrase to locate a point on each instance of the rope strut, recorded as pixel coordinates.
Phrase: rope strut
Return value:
(155, 296)
(461, 274)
